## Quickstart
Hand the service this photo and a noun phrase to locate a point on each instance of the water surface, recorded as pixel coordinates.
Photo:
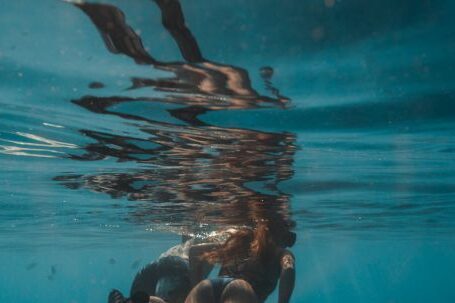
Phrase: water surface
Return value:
(338, 119)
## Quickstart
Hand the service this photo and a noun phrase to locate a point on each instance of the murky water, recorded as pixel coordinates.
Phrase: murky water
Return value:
(124, 128)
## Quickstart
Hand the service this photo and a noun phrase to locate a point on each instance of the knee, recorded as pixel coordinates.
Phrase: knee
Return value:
(153, 299)
(202, 292)
(241, 284)
(238, 291)
(204, 285)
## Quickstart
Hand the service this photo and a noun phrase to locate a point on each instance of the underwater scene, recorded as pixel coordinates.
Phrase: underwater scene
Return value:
(227, 151)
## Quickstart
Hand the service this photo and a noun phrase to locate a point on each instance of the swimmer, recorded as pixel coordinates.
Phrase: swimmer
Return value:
(252, 261)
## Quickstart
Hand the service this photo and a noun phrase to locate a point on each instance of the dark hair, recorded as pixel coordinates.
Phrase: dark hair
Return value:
(248, 242)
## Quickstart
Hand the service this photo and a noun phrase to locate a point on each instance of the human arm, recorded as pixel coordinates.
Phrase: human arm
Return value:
(287, 277)
(199, 268)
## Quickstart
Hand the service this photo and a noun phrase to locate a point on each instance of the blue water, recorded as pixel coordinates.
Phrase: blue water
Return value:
(360, 155)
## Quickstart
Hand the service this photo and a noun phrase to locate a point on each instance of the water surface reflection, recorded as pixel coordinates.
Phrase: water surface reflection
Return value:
(191, 173)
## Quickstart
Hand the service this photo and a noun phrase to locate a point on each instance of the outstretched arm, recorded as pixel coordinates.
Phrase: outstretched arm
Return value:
(287, 278)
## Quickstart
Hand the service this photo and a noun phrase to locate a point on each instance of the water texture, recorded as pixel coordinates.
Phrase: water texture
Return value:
(127, 124)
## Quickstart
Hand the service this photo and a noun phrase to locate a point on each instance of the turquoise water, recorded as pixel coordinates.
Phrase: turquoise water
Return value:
(98, 179)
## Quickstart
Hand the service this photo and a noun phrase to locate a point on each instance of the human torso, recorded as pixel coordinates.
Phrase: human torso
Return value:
(261, 272)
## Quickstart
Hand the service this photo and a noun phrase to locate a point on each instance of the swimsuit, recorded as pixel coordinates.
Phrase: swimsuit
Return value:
(218, 285)
(261, 273)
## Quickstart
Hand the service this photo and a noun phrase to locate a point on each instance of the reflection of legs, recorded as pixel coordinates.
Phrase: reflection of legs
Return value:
(238, 291)
(174, 21)
(201, 293)
(118, 36)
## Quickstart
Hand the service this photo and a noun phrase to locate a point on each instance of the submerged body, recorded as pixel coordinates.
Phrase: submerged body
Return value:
(252, 263)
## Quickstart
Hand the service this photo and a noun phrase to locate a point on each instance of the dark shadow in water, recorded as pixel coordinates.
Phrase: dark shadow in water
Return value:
(31, 266)
(193, 173)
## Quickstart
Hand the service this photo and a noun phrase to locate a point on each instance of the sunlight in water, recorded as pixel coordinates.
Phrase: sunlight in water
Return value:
(32, 149)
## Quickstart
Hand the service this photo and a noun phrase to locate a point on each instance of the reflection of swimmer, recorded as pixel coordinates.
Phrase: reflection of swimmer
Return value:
(252, 261)
(204, 83)
(169, 278)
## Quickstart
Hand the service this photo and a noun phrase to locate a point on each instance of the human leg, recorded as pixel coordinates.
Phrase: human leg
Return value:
(238, 291)
(201, 293)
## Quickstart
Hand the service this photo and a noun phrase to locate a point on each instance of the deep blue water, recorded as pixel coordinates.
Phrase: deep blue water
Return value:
(351, 138)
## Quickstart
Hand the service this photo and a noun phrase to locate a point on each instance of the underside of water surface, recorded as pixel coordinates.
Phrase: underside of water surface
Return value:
(127, 127)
